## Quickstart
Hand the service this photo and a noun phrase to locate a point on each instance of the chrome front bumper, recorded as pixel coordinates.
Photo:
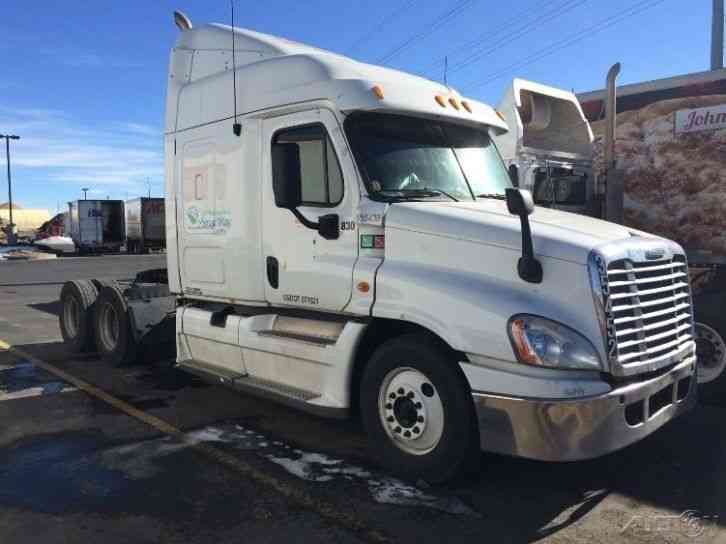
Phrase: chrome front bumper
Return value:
(571, 430)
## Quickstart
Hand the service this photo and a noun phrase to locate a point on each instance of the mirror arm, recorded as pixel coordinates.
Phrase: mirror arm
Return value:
(529, 268)
(304, 220)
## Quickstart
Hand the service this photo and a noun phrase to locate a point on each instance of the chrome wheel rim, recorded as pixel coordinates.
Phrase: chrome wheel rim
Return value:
(72, 316)
(109, 327)
(710, 353)
(411, 411)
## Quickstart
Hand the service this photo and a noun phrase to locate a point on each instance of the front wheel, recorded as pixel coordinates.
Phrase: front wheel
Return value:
(418, 411)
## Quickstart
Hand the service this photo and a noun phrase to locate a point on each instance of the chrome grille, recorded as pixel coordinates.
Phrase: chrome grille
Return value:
(646, 305)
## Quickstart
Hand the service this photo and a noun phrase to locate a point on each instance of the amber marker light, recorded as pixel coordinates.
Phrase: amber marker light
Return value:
(454, 103)
(466, 105)
(364, 286)
(501, 115)
(441, 100)
(377, 92)
(521, 344)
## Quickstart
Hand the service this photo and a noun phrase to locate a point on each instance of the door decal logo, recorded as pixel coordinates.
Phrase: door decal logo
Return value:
(209, 221)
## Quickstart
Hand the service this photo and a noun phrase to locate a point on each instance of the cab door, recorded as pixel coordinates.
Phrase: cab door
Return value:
(302, 268)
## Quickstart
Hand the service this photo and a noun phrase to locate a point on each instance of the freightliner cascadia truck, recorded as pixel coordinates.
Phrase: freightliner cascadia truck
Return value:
(345, 239)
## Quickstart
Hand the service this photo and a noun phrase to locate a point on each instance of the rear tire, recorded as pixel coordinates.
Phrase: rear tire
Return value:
(78, 299)
(114, 341)
(417, 410)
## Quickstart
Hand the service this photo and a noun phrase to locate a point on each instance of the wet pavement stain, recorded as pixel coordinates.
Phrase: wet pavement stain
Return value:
(52, 474)
(82, 472)
(23, 379)
(167, 378)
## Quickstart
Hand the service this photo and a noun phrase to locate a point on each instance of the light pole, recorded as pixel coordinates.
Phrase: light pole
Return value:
(148, 184)
(11, 227)
(85, 191)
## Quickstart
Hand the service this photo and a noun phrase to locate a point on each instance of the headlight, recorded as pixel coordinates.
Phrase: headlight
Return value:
(540, 342)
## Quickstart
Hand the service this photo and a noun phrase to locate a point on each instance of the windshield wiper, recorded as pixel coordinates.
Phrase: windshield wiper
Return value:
(498, 196)
(430, 192)
(417, 193)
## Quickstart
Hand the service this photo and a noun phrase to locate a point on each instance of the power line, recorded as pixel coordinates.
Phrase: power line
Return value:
(568, 6)
(434, 25)
(379, 26)
(489, 34)
(583, 34)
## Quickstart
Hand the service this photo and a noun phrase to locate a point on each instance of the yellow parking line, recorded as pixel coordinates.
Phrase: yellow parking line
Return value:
(325, 510)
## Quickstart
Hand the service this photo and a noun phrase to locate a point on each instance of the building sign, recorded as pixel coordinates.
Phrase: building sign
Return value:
(709, 118)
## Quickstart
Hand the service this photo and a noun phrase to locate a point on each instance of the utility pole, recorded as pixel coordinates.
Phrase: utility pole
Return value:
(717, 21)
(10, 233)
(85, 192)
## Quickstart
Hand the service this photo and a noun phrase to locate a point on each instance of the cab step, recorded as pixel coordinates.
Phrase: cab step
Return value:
(288, 395)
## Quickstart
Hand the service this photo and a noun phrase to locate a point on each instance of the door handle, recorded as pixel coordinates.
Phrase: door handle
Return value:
(273, 272)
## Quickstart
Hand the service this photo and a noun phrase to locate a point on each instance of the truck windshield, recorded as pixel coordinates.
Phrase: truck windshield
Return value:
(403, 157)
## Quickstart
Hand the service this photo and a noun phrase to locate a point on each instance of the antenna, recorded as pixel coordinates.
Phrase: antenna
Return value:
(446, 69)
(236, 127)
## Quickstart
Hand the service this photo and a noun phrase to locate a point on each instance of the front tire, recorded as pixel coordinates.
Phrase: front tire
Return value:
(114, 339)
(417, 410)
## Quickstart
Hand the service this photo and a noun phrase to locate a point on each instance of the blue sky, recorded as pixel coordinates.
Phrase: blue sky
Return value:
(83, 82)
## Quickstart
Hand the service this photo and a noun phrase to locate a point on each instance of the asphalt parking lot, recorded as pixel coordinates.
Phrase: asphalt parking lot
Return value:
(146, 453)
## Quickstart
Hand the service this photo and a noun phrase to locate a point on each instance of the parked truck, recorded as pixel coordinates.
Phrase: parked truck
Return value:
(670, 151)
(97, 225)
(670, 147)
(345, 238)
(549, 146)
(145, 225)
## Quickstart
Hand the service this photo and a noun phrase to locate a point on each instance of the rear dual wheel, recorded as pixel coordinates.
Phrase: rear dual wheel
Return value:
(417, 410)
(114, 338)
(76, 316)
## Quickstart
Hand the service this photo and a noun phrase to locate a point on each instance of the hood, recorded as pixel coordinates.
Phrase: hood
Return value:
(556, 234)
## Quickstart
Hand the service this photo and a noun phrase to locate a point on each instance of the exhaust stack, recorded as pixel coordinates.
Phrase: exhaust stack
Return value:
(182, 21)
(717, 35)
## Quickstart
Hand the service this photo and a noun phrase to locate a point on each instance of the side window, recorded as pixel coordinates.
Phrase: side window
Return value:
(322, 179)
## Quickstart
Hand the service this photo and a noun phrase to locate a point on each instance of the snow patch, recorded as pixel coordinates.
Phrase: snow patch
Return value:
(142, 460)
(299, 468)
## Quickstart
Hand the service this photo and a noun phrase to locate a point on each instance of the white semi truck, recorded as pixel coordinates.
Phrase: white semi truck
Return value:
(345, 238)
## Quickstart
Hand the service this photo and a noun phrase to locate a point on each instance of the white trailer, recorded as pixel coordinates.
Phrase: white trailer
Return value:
(96, 225)
(345, 238)
(145, 225)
